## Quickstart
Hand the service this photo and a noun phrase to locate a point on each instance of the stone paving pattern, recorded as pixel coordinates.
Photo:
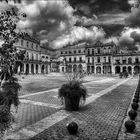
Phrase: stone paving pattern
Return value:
(92, 88)
(100, 120)
(29, 114)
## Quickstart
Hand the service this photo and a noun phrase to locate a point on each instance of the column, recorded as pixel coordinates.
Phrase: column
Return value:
(121, 69)
(39, 68)
(132, 70)
(30, 69)
(95, 70)
(101, 69)
(48, 68)
(24, 71)
(35, 69)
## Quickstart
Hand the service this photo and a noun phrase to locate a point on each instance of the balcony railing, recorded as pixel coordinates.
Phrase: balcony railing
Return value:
(75, 61)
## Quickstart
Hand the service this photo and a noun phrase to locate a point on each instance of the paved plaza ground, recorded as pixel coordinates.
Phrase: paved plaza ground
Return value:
(41, 116)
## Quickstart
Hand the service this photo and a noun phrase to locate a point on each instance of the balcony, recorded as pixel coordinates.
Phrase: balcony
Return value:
(75, 61)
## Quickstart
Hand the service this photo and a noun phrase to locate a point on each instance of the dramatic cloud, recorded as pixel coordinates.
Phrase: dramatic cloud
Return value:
(88, 7)
(134, 18)
(130, 38)
(79, 34)
(47, 18)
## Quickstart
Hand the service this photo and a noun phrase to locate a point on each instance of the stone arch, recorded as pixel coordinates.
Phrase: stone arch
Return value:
(32, 68)
(69, 68)
(129, 69)
(129, 60)
(46, 69)
(136, 69)
(74, 68)
(36, 68)
(98, 69)
(80, 68)
(117, 69)
(27, 69)
(124, 69)
(42, 69)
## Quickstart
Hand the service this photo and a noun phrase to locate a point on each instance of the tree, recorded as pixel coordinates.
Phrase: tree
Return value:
(9, 58)
(8, 53)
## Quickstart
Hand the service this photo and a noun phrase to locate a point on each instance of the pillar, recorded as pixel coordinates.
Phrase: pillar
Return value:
(24, 71)
(29, 68)
(39, 68)
(35, 69)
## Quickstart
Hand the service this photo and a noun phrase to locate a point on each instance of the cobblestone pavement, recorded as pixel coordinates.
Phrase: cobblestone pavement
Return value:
(32, 83)
(100, 120)
(92, 88)
(29, 113)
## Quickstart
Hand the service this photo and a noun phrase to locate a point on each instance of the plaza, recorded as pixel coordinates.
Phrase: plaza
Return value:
(41, 116)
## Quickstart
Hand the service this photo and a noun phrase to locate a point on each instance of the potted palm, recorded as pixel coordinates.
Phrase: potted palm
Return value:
(72, 92)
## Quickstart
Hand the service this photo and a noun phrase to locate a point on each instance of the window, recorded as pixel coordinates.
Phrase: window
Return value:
(65, 52)
(105, 59)
(74, 51)
(98, 51)
(21, 42)
(109, 50)
(104, 50)
(74, 59)
(92, 51)
(79, 51)
(109, 59)
(36, 47)
(27, 44)
(124, 61)
(117, 61)
(32, 56)
(27, 55)
(92, 59)
(88, 51)
(69, 59)
(129, 60)
(32, 45)
(80, 59)
(36, 56)
(136, 60)
(46, 57)
(98, 59)
(61, 52)
(88, 60)
(69, 52)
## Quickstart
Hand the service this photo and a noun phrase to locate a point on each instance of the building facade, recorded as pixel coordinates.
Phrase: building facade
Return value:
(72, 58)
(36, 59)
(98, 58)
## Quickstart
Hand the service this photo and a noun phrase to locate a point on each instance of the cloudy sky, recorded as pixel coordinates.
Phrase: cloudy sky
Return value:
(63, 22)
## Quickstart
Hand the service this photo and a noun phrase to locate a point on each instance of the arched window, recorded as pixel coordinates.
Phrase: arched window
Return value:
(98, 59)
(129, 60)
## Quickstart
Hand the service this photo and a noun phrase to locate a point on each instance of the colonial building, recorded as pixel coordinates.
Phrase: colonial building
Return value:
(98, 58)
(129, 62)
(36, 59)
(72, 58)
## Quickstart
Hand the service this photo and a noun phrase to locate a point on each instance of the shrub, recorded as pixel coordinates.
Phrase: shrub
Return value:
(132, 114)
(72, 128)
(130, 126)
(6, 119)
(134, 106)
(71, 92)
